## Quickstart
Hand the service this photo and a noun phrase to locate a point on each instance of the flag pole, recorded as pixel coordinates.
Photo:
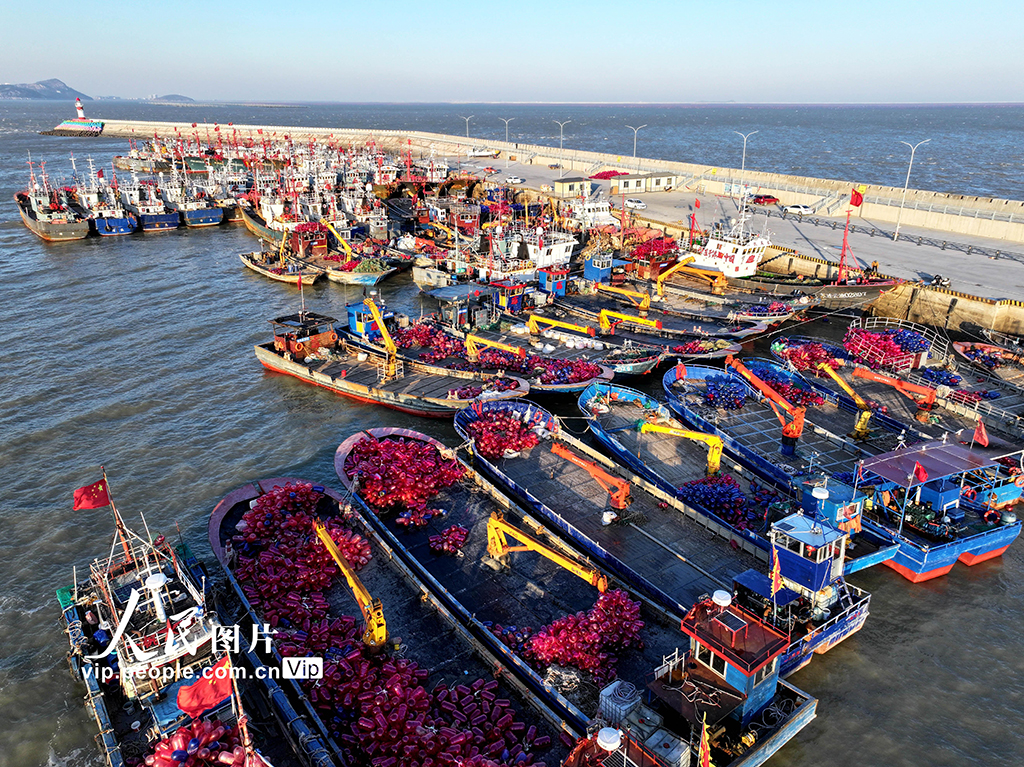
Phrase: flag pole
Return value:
(118, 522)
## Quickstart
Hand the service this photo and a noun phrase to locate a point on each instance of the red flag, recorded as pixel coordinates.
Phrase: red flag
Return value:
(696, 204)
(980, 435)
(704, 750)
(212, 688)
(919, 472)
(99, 173)
(856, 198)
(300, 280)
(776, 572)
(92, 496)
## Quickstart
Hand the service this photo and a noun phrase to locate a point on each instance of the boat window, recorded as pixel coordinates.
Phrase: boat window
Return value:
(765, 672)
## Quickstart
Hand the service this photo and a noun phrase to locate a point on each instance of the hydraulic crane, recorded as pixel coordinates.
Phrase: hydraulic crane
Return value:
(642, 301)
(620, 495)
(533, 324)
(391, 363)
(498, 548)
(860, 429)
(475, 343)
(713, 442)
(716, 280)
(605, 318)
(790, 431)
(376, 633)
(349, 253)
(906, 388)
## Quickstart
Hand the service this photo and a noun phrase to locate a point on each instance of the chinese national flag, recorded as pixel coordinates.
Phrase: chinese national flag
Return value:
(704, 750)
(300, 280)
(856, 198)
(919, 472)
(92, 496)
(980, 435)
(99, 173)
(696, 204)
(203, 695)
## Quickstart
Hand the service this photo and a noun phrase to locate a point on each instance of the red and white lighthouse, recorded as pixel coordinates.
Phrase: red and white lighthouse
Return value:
(80, 109)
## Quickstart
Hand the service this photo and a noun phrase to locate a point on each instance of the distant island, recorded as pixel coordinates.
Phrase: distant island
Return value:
(174, 98)
(52, 90)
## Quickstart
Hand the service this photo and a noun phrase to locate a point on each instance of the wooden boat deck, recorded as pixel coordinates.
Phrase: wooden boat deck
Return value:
(613, 348)
(413, 382)
(589, 307)
(652, 540)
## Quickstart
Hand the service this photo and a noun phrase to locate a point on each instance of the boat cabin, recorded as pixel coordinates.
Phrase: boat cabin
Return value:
(509, 295)
(309, 239)
(362, 324)
(599, 267)
(553, 280)
(303, 334)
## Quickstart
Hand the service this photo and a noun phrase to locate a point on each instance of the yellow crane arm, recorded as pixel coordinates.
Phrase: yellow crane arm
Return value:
(713, 442)
(605, 320)
(716, 280)
(376, 633)
(391, 367)
(534, 325)
(475, 343)
(344, 245)
(860, 429)
(642, 301)
(497, 547)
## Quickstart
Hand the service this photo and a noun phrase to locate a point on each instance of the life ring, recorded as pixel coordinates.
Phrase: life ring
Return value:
(1019, 480)
(992, 516)
(299, 347)
(332, 337)
(968, 492)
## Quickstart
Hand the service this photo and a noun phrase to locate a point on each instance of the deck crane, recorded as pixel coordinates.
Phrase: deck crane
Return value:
(906, 388)
(604, 320)
(716, 280)
(475, 343)
(620, 495)
(790, 431)
(349, 253)
(498, 531)
(391, 362)
(376, 633)
(860, 429)
(714, 442)
(533, 324)
(642, 301)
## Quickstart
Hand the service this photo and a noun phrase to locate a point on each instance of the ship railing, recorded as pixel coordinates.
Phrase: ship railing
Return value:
(939, 346)
(860, 599)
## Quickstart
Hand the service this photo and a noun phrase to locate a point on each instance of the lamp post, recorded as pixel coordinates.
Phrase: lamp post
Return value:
(635, 131)
(743, 163)
(899, 216)
(561, 127)
(467, 119)
(506, 121)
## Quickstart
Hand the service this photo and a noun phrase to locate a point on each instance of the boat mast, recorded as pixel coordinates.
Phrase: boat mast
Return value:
(122, 532)
(842, 256)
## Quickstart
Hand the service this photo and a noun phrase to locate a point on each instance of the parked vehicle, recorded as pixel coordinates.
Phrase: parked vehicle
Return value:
(764, 199)
(799, 210)
(635, 204)
(515, 180)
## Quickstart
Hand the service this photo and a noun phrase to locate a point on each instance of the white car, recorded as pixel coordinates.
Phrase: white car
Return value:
(635, 204)
(515, 180)
(799, 210)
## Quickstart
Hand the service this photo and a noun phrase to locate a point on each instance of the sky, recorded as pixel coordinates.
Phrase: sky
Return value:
(748, 51)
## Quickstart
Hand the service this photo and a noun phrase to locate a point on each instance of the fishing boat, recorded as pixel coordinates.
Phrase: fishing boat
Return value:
(258, 226)
(992, 360)
(853, 288)
(684, 678)
(307, 243)
(45, 211)
(100, 204)
(428, 341)
(640, 432)
(193, 204)
(139, 629)
(731, 248)
(803, 458)
(288, 270)
(306, 346)
(142, 199)
(377, 626)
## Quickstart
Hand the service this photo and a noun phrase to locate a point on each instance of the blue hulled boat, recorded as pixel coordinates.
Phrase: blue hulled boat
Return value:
(726, 405)
(142, 199)
(817, 607)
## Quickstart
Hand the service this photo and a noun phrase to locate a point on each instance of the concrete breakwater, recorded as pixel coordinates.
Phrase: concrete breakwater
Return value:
(961, 214)
(1001, 219)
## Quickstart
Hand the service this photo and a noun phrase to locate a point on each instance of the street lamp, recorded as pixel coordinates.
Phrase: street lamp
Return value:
(635, 131)
(913, 148)
(506, 121)
(561, 127)
(743, 164)
(467, 119)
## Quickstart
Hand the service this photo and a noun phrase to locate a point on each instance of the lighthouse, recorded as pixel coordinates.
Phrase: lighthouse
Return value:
(80, 109)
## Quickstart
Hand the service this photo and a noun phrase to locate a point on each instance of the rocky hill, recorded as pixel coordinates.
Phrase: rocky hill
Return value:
(54, 90)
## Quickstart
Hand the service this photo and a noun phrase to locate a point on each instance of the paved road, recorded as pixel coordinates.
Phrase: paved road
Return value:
(979, 273)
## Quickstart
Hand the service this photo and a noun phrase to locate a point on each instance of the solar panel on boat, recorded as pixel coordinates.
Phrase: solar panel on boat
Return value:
(732, 622)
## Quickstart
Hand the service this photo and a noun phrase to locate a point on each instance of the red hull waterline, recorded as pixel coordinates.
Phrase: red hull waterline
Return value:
(973, 559)
(366, 400)
(913, 577)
